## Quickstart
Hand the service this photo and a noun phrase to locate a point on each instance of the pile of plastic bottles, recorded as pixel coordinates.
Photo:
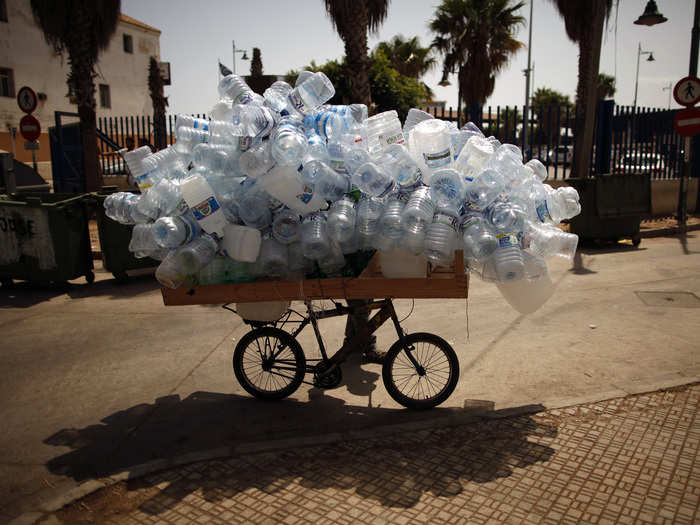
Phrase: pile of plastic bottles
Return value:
(282, 185)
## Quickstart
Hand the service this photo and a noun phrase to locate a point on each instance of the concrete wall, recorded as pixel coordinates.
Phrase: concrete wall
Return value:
(664, 196)
(24, 50)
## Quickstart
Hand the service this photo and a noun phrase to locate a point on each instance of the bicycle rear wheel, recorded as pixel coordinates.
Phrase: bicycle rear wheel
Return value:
(269, 363)
(428, 384)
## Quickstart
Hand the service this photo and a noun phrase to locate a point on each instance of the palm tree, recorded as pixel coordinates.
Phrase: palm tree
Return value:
(605, 87)
(352, 19)
(584, 21)
(477, 39)
(82, 28)
(159, 102)
(408, 57)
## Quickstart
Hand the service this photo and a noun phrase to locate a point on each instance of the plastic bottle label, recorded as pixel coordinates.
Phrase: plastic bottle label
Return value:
(437, 160)
(543, 212)
(307, 194)
(445, 218)
(508, 239)
(388, 140)
(387, 190)
(296, 102)
(205, 208)
(338, 165)
(473, 207)
(244, 143)
(201, 124)
(242, 98)
(181, 207)
(190, 229)
(468, 222)
(142, 181)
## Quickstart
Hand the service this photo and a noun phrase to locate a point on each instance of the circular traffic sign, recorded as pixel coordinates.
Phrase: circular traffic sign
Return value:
(687, 122)
(30, 128)
(26, 99)
(687, 91)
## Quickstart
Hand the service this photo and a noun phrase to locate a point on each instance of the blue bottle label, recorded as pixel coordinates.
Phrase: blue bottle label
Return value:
(508, 239)
(437, 160)
(543, 212)
(205, 208)
(142, 181)
(307, 194)
(296, 102)
(201, 124)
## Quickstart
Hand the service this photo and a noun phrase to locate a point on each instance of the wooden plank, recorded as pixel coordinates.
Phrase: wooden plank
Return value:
(334, 288)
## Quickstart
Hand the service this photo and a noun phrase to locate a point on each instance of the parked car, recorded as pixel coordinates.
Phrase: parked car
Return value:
(562, 154)
(641, 163)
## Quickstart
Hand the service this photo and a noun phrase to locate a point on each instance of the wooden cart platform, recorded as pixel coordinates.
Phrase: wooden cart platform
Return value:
(439, 283)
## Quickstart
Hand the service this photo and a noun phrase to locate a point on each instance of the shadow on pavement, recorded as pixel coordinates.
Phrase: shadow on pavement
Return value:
(395, 470)
(24, 294)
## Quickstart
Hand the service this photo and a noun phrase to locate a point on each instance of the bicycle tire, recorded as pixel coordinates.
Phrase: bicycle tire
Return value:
(283, 378)
(403, 381)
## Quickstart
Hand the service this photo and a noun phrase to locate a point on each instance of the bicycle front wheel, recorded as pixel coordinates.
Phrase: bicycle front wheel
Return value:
(427, 382)
(269, 363)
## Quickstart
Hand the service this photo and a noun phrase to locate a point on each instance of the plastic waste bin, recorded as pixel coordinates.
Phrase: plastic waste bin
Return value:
(44, 237)
(114, 242)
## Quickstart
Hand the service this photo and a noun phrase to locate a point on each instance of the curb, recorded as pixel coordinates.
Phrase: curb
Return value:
(663, 232)
(86, 488)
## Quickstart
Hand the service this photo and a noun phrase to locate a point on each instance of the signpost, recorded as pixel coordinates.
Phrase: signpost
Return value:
(29, 126)
(687, 124)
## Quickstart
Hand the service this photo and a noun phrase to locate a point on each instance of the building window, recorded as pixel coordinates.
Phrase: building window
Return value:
(128, 44)
(3, 11)
(7, 82)
(105, 98)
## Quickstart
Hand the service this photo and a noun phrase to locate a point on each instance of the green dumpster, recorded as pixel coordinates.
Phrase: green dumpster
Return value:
(44, 237)
(114, 242)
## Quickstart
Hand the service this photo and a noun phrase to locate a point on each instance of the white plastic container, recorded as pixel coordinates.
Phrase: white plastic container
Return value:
(199, 196)
(402, 264)
(241, 243)
(525, 295)
(262, 311)
(285, 185)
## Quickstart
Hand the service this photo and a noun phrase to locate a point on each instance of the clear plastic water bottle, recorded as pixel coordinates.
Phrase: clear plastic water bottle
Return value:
(446, 188)
(235, 88)
(311, 93)
(253, 207)
(547, 241)
(289, 144)
(538, 170)
(508, 162)
(222, 110)
(284, 184)
(473, 158)
(418, 212)
(383, 129)
(373, 179)
(188, 138)
(483, 189)
(317, 149)
(257, 121)
(241, 243)
(276, 95)
(257, 161)
(298, 265)
(142, 242)
(337, 153)
(274, 259)
(327, 182)
(314, 237)
(134, 160)
(413, 117)
(200, 197)
(122, 207)
(478, 237)
(431, 146)
(390, 224)
(369, 210)
(327, 124)
(183, 264)
(171, 232)
(333, 262)
(189, 121)
(355, 156)
(286, 226)
(341, 220)
(402, 167)
(440, 237)
(302, 76)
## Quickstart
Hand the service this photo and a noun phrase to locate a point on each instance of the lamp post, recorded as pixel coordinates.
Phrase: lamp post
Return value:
(244, 57)
(668, 88)
(528, 72)
(636, 81)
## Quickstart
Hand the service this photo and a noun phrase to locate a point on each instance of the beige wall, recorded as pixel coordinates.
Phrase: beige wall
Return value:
(23, 49)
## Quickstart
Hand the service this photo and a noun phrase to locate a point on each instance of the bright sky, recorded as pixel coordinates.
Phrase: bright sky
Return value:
(290, 34)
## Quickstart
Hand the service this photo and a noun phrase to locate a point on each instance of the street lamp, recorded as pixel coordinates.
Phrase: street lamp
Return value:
(636, 81)
(244, 57)
(651, 15)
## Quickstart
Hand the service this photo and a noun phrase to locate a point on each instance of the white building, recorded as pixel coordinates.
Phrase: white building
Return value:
(27, 60)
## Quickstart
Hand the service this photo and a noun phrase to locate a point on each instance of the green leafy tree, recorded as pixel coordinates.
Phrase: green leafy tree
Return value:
(584, 21)
(477, 40)
(80, 28)
(352, 20)
(159, 102)
(407, 56)
(550, 106)
(256, 66)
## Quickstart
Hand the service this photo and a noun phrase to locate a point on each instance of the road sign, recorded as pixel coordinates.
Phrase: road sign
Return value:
(26, 99)
(29, 127)
(687, 122)
(687, 91)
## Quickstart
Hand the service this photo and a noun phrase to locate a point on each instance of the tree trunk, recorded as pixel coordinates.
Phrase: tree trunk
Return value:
(355, 41)
(589, 63)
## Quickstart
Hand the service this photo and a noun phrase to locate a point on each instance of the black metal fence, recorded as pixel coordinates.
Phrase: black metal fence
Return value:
(626, 139)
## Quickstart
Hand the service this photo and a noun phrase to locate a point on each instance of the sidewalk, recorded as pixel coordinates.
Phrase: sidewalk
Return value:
(628, 460)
